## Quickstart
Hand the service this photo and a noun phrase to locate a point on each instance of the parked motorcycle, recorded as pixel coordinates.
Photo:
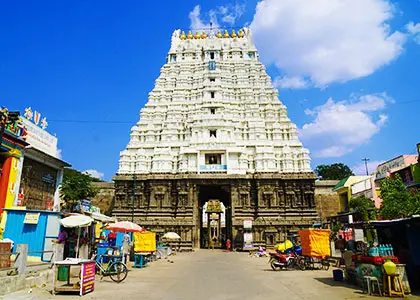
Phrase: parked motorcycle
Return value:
(286, 261)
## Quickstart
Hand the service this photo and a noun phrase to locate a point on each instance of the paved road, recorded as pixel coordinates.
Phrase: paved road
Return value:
(213, 275)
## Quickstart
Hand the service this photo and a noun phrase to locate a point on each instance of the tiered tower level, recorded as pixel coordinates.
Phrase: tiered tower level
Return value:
(212, 115)
(213, 96)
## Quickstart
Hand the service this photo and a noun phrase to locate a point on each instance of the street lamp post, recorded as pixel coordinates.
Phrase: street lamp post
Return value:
(133, 196)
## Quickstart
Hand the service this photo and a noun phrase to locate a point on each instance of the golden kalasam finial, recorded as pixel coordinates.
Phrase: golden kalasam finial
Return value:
(226, 35)
(233, 33)
(241, 33)
(183, 37)
(197, 35)
(219, 34)
(189, 36)
(203, 35)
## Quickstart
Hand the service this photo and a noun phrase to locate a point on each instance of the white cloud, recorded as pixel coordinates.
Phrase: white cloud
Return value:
(326, 40)
(340, 127)
(286, 82)
(59, 153)
(227, 14)
(94, 173)
(414, 31)
(195, 19)
(360, 169)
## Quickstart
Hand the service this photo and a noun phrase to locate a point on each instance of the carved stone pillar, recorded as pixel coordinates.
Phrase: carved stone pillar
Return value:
(196, 215)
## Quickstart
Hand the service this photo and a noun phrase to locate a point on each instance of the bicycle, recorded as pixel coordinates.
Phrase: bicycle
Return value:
(116, 270)
(310, 262)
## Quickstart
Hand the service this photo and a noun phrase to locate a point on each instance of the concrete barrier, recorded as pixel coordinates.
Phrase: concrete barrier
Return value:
(35, 278)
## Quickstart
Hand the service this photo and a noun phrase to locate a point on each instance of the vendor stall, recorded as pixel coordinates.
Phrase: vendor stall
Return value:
(77, 221)
(316, 250)
(144, 247)
(62, 280)
(380, 243)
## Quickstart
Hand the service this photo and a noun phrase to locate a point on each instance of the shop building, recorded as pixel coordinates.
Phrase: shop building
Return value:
(42, 169)
(12, 142)
(345, 191)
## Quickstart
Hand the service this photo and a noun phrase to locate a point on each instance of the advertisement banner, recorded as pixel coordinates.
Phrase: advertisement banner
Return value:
(88, 278)
(248, 240)
(248, 223)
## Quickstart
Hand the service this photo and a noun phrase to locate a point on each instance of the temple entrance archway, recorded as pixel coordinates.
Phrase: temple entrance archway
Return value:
(223, 231)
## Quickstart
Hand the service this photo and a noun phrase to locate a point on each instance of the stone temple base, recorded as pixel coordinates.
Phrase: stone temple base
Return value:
(279, 204)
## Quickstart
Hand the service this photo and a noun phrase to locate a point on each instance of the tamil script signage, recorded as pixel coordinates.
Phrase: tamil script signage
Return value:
(213, 167)
(88, 278)
(385, 168)
(40, 139)
(31, 218)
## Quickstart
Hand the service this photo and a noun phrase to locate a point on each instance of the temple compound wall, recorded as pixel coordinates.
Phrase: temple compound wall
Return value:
(278, 205)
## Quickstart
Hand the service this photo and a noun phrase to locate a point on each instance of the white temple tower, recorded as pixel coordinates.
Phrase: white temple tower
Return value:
(214, 125)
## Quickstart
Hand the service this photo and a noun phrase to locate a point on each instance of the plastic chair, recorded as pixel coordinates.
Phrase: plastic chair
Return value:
(370, 282)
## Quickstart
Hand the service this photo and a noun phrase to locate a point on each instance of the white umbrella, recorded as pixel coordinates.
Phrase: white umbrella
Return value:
(102, 218)
(76, 221)
(171, 236)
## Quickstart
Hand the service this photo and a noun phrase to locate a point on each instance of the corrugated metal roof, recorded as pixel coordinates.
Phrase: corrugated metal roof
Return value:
(341, 183)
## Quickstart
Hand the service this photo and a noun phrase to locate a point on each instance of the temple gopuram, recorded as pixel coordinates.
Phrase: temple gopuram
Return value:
(213, 129)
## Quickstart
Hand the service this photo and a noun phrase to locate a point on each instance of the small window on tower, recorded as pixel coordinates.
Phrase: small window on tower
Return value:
(173, 58)
(212, 79)
(212, 111)
(212, 95)
(213, 159)
(213, 133)
(211, 55)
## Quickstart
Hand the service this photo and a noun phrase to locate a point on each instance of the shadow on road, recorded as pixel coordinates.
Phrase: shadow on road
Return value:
(331, 282)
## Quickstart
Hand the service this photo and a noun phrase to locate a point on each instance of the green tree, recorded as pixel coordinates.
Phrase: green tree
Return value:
(76, 186)
(397, 202)
(335, 171)
(363, 208)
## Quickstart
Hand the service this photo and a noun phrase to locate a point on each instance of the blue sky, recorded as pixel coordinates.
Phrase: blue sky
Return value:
(346, 70)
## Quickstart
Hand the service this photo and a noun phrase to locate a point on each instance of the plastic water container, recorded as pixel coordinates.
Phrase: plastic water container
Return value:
(338, 275)
(373, 251)
(381, 250)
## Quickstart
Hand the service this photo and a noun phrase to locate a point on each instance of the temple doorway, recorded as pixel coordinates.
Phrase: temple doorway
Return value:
(215, 215)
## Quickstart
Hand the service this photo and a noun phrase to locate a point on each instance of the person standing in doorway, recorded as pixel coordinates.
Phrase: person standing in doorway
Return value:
(211, 244)
(228, 245)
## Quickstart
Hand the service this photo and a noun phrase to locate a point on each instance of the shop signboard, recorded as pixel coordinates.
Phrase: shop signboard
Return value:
(213, 167)
(88, 278)
(86, 206)
(248, 240)
(247, 223)
(31, 218)
(383, 169)
(36, 135)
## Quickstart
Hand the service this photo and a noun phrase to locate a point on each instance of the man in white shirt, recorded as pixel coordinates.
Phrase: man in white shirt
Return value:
(126, 242)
